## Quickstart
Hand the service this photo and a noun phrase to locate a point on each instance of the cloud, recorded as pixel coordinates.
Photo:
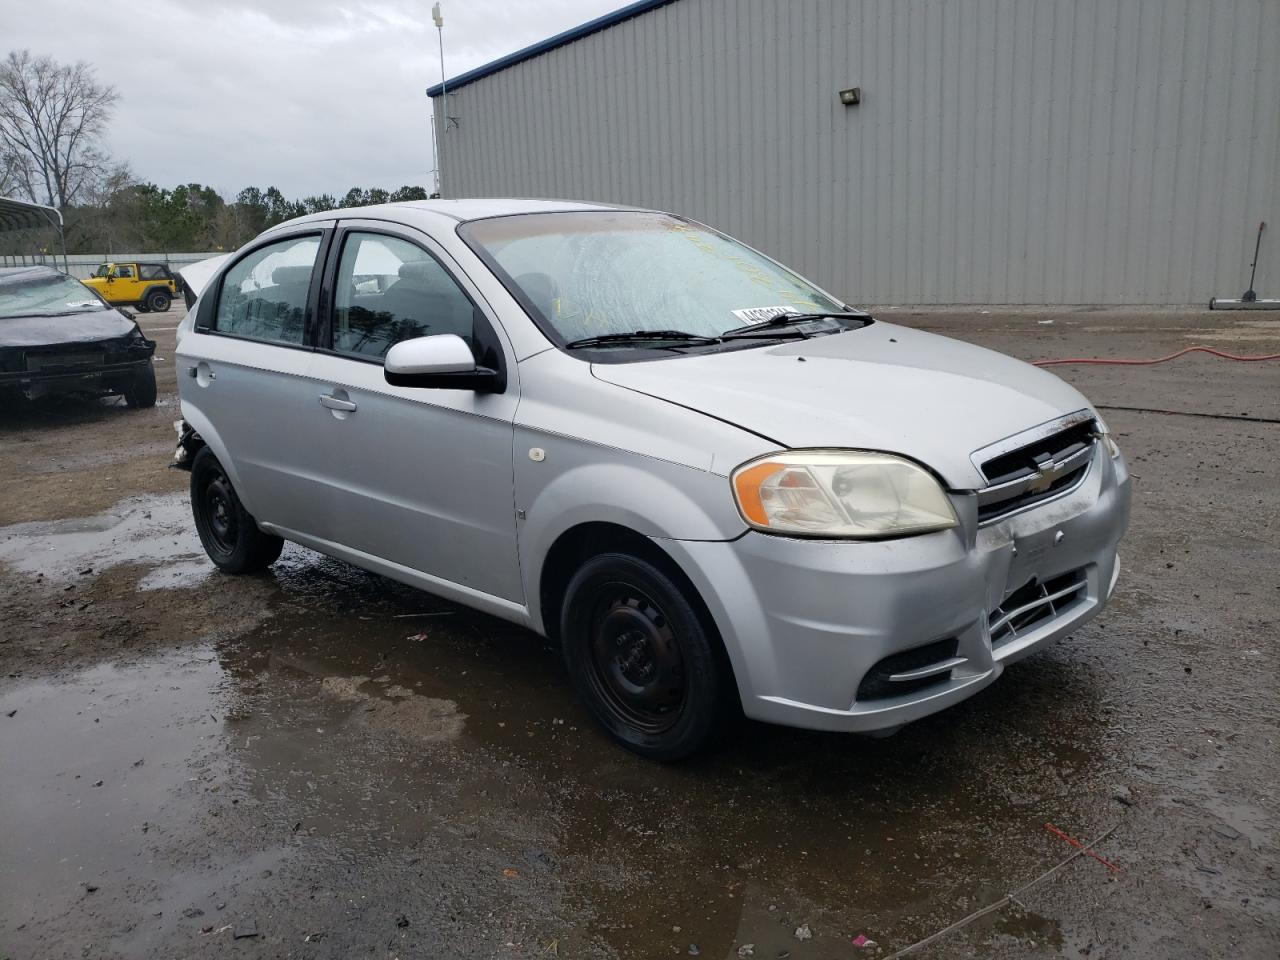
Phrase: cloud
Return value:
(310, 97)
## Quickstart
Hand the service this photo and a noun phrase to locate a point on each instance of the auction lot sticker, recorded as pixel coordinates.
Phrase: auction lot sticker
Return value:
(761, 314)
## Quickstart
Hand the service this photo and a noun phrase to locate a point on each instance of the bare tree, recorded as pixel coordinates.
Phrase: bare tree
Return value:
(52, 117)
(8, 174)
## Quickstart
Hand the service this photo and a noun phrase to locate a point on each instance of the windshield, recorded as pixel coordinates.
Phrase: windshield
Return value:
(46, 295)
(102, 270)
(598, 273)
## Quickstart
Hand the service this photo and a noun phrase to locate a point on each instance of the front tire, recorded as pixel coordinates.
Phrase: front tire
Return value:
(228, 532)
(641, 659)
(141, 394)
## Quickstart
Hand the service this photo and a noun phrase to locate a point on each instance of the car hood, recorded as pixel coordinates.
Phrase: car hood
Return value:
(89, 326)
(882, 387)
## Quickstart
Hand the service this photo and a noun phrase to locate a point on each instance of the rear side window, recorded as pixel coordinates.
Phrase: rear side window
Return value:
(390, 290)
(264, 296)
(152, 271)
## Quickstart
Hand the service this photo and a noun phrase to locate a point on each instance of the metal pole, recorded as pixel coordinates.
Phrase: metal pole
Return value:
(62, 240)
(435, 147)
(444, 111)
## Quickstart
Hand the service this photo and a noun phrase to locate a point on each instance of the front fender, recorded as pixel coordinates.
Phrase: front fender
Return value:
(577, 483)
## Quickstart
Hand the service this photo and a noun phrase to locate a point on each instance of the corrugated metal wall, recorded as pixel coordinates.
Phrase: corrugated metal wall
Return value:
(1006, 151)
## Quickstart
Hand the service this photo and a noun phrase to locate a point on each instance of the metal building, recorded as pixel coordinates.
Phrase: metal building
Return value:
(1003, 151)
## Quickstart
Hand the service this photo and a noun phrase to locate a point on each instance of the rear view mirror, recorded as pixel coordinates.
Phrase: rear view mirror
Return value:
(443, 361)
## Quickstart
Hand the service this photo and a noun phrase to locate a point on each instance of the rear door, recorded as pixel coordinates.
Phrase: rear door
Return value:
(418, 477)
(243, 373)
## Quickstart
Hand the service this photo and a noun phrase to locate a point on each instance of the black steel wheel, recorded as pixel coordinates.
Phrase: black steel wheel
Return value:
(158, 301)
(642, 660)
(228, 532)
(635, 665)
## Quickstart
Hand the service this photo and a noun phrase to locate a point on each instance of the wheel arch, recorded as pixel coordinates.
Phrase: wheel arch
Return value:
(585, 540)
(210, 438)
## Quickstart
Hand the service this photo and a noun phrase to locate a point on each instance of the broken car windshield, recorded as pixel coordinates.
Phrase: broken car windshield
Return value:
(45, 295)
(623, 274)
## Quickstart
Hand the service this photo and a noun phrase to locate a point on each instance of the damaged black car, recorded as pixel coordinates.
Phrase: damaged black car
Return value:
(59, 337)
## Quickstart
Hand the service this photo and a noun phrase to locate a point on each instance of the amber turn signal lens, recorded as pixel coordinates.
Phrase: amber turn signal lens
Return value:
(747, 484)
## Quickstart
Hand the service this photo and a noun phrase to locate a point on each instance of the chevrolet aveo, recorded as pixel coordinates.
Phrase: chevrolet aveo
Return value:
(719, 488)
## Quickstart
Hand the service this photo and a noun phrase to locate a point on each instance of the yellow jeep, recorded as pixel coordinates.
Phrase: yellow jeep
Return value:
(148, 286)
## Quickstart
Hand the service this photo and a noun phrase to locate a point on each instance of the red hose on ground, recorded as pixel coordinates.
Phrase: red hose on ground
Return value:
(1172, 356)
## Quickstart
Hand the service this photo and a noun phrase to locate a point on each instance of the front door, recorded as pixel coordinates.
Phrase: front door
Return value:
(418, 477)
(125, 287)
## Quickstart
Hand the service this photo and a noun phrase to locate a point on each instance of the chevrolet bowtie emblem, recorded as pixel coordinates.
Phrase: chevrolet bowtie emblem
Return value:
(1044, 479)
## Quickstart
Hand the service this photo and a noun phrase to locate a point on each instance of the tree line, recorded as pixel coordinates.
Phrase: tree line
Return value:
(52, 121)
(194, 217)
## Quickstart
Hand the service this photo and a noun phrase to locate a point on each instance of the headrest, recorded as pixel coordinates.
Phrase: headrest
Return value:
(421, 272)
(290, 275)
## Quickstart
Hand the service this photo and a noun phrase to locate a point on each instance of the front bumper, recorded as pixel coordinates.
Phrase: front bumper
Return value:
(103, 378)
(808, 624)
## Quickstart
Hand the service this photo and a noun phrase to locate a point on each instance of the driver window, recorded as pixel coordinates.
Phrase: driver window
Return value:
(124, 273)
(390, 290)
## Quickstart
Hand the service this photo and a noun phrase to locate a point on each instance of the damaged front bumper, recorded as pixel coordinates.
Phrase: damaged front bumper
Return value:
(94, 367)
(99, 379)
(868, 636)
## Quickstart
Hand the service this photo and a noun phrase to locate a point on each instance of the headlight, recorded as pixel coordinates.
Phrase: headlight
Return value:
(840, 493)
(1108, 441)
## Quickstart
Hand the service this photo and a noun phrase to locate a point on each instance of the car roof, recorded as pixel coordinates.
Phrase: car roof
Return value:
(457, 211)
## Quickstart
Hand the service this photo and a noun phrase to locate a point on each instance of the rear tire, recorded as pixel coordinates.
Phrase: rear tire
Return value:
(142, 393)
(228, 532)
(640, 658)
(158, 301)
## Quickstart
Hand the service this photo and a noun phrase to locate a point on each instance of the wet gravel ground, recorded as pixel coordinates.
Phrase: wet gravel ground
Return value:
(320, 763)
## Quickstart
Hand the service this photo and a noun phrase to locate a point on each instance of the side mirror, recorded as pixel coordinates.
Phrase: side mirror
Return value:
(110, 278)
(443, 361)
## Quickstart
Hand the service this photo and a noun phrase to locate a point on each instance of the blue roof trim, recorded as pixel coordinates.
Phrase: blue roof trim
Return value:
(542, 46)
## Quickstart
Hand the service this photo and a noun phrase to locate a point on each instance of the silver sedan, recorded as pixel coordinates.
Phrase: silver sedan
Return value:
(722, 490)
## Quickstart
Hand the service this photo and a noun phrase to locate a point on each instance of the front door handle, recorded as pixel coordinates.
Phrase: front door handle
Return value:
(337, 403)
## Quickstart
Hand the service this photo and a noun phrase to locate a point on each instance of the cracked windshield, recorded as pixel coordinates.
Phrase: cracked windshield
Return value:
(595, 274)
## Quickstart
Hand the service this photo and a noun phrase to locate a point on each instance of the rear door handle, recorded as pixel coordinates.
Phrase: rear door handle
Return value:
(337, 403)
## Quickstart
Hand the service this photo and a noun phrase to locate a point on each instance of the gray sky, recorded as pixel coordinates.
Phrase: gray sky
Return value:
(311, 97)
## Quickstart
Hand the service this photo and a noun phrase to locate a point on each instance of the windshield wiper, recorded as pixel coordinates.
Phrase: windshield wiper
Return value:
(640, 336)
(750, 330)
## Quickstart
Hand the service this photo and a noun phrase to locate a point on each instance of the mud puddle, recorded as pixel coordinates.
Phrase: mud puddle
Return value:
(366, 736)
(150, 530)
(352, 742)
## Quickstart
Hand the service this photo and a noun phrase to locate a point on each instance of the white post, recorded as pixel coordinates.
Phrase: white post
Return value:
(438, 132)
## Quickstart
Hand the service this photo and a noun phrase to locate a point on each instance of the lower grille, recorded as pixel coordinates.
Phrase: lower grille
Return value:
(1034, 604)
(910, 671)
